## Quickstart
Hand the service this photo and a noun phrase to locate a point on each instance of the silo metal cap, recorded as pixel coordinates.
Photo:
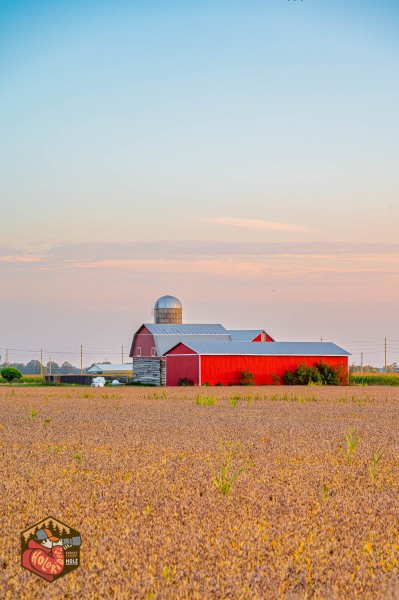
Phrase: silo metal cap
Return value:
(167, 302)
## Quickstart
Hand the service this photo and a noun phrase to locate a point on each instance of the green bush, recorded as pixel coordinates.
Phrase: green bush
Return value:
(276, 380)
(320, 374)
(9, 374)
(246, 378)
(329, 375)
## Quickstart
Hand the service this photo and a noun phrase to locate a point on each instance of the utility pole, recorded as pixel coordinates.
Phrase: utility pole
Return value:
(321, 339)
(51, 366)
(41, 362)
(7, 357)
(122, 353)
(81, 359)
(361, 362)
(385, 354)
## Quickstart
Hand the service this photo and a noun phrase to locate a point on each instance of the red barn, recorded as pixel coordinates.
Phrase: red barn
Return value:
(152, 340)
(223, 362)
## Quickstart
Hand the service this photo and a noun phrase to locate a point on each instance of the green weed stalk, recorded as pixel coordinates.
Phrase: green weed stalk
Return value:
(227, 469)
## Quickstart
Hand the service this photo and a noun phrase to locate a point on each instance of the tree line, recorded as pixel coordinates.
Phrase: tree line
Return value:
(33, 368)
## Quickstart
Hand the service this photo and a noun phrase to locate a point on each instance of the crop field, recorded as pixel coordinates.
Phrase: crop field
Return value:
(277, 492)
(374, 378)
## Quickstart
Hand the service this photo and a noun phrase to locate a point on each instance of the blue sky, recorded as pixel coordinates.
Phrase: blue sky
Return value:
(163, 133)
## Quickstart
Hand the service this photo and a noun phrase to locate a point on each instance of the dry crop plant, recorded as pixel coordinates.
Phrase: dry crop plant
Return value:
(305, 510)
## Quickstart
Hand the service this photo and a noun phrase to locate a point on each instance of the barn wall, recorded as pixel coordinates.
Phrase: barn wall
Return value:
(144, 340)
(179, 366)
(148, 371)
(226, 369)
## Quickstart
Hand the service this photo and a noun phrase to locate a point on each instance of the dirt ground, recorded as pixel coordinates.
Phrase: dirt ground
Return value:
(131, 469)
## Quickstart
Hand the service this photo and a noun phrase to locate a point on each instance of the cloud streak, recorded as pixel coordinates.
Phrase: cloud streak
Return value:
(256, 224)
(296, 264)
(19, 259)
(69, 255)
(187, 250)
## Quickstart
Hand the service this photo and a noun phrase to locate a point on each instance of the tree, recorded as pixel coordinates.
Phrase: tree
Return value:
(19, 366)
(51, 525)
(33, 367)
(66, 368)
(9, 374)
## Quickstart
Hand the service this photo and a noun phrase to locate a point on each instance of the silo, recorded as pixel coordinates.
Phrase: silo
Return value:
(168, 310)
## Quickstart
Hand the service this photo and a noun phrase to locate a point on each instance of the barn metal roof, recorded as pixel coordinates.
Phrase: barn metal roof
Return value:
(103, 368)
(267, 348)
(168, 335)
(165, 342)
(186, 329)
(245, 335)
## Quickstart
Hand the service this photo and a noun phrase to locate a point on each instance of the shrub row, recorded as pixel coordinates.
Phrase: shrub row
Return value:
(320, 374)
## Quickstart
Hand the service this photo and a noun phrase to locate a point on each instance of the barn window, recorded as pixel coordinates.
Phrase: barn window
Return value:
(263, 337)
(138, 351)
(153, 351)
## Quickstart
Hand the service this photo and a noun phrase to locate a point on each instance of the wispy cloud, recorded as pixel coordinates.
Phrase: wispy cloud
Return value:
(229, 267)
(221, 267)
(189, 250)
(70, 255)
(256, 224)
(18, 259)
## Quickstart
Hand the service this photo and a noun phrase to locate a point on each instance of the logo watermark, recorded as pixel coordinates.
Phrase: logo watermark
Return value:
(50, 549)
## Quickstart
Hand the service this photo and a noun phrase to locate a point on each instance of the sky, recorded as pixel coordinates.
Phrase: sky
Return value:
(240, 155)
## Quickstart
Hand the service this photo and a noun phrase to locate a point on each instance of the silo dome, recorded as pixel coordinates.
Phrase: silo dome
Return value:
(167, 302)
(168, 309)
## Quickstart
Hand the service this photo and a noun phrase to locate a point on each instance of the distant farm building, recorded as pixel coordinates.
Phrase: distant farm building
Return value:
(168, 351)
(109, 369)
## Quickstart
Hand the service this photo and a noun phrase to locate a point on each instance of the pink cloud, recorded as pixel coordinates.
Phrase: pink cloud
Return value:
(257, 224)
(20, 259)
